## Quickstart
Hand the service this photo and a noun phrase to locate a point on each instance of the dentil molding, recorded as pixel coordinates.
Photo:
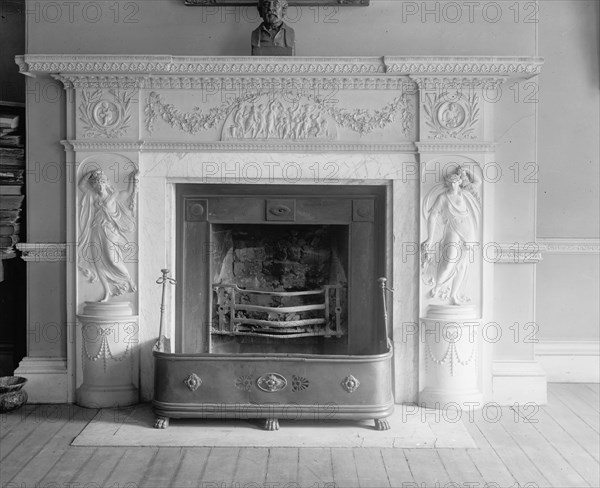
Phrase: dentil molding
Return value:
(95, 145)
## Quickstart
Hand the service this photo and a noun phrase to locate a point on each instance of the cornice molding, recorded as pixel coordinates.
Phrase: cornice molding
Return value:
(43, 252)
(234, 146)
(559, 245)
(461, 66)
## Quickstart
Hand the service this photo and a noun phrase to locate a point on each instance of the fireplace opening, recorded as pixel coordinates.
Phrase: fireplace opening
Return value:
(280, 270)
(279, 288)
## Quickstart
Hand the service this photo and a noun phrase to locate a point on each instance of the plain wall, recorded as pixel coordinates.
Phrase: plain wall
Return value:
(569, 177)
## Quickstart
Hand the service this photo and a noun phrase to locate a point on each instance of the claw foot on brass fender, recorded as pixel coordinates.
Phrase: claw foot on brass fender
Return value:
(382, 424)
(271, 424)
(161, 422)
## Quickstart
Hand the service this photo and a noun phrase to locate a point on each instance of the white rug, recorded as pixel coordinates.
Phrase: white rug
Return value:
(410, 428)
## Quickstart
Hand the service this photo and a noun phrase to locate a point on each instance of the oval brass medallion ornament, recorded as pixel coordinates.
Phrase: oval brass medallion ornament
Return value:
(193, 382)
(271, 382)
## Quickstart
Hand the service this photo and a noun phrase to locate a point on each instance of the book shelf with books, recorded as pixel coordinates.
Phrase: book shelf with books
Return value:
(12, 231)
(12, 168)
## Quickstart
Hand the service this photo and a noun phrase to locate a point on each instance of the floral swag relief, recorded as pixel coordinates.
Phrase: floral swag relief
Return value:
(105, 218)
(452, 211)
(262, 116)
(102, 116)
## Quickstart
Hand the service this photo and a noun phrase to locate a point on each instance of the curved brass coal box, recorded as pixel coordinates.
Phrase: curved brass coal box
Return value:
(322, 388)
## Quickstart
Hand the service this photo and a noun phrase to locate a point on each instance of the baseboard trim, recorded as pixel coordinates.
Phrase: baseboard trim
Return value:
(570, 361)
(518, 382)
(47, 379)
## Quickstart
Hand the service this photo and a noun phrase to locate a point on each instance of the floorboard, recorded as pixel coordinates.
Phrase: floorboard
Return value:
(72, 463)
(580, 431)
(370, 468)
(251, 468)
(37, 433)
(396, 467)
(99, 467)
(344, 468)
(556, 445)
(220, 466)
(191, 469)
(315, 467)
(537, 449)
(49, 447)
(163, 468)
(460, 467)
(11, 419)
(570, 450)
(282, 465)
(518, 464)
(579, 403)
(492, 468)
(132, 467)
(426, 467)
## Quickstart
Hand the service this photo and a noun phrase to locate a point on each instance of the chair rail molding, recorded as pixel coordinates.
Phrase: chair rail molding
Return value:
(48, 252)
(561, 245)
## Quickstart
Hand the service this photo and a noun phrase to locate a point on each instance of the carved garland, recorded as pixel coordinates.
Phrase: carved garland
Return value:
(358, 120)
(451, 355)
(104, 351)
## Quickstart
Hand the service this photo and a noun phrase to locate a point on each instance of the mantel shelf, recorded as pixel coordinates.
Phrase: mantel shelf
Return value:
(439, 66)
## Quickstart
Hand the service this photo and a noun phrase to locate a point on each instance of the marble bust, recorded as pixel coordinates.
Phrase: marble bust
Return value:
(273, 37)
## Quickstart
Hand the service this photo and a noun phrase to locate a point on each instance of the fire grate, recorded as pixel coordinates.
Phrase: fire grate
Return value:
(276, 314)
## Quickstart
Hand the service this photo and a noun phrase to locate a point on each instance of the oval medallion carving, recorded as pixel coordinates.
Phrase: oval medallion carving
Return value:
(280, 210)
(271, 382)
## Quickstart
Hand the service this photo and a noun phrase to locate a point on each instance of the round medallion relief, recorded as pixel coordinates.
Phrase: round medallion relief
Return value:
(105, 113)
(451, 115)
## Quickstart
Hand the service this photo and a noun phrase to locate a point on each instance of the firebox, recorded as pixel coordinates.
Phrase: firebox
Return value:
(278, 303)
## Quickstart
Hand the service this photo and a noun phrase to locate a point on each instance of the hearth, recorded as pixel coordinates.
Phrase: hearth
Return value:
(278, 305)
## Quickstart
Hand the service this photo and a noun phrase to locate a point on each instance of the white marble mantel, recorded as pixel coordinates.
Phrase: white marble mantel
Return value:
(376, 120)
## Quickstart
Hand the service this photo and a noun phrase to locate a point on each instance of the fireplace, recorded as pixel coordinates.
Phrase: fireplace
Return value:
(378, 138)
(279, 287)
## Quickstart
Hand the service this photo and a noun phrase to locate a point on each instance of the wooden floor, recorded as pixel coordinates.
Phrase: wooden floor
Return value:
(553, 445)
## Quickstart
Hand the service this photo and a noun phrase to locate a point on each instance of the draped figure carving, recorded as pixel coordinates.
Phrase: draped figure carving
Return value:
(452, 212)
(106, 216)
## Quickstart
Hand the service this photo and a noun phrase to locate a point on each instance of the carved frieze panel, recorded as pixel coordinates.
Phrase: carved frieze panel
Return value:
(451, 115)
(105, 113)
(280, 116)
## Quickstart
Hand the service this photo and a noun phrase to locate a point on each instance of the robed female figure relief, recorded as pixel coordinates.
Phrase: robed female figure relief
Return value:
(452, 212)
(105, 218)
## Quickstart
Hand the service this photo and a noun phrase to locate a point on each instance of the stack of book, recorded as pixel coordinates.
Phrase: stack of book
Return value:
(12, 167)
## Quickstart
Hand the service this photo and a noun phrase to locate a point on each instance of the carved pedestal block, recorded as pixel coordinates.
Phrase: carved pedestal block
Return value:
(109, 333)
(451, 374)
